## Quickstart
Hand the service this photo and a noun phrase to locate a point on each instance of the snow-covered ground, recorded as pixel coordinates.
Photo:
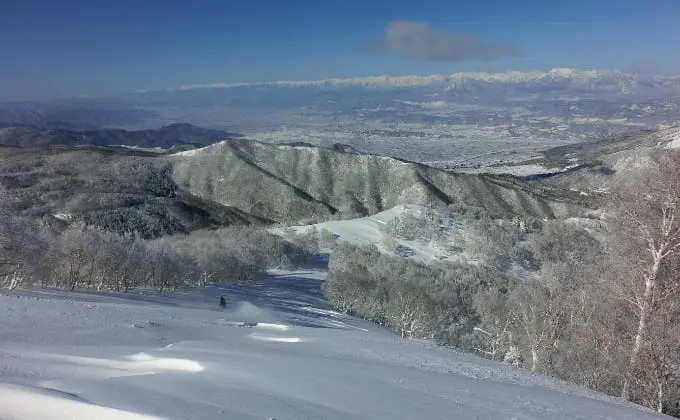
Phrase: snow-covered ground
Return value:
(366, 230)
(157, 149)
(517, 170)
(200, 150)
(276, 352)
(672, 139)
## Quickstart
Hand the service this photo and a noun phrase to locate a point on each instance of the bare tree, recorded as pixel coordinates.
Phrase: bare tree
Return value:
(493, 335)
(536, 309)
(164, 271)
(11, 261)
(348, 288)
(22, 246)
(647, 209)
(411, 311)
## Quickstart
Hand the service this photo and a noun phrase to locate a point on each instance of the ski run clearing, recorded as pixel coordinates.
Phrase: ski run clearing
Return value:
(276, 352)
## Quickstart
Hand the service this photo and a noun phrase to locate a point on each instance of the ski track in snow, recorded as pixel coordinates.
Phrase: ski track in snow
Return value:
(277, 351)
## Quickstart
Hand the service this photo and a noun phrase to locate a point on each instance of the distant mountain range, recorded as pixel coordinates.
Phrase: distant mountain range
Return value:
(164, 138)
(557, 78)
(448, 121)
(71, 114)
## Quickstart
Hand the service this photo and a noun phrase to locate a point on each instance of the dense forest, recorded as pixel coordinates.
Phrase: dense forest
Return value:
(597, 302)
(44, 253)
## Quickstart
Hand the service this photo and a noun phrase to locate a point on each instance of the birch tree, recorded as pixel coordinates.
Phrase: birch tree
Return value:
(492, 336)
(536, 309)
(22, 247)
(411, 312)
(647, 212)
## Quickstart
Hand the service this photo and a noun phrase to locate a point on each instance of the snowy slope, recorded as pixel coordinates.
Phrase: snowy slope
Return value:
(360, 231)
(366, 230)
(277, 351)
(671, 139)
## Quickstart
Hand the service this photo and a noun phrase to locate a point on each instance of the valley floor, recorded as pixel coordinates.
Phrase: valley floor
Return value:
(276, 352)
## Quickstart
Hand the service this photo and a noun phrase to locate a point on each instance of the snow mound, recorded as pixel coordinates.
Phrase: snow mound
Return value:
(18, 402)
(134, 365)
(275, 339)
(147, 362)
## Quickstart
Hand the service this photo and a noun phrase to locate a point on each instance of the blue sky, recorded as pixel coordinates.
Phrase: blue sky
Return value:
(60, 48)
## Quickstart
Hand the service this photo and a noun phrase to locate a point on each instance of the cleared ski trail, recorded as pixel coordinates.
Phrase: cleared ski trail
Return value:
(277, 351)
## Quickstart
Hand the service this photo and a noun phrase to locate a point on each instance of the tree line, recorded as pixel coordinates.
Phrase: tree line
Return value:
(598, 301)
(38, 253)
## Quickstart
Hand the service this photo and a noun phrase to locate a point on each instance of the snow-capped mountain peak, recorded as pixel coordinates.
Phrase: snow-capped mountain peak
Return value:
(558, 74)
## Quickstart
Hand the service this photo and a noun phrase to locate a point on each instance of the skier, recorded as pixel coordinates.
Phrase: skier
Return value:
(223, 302)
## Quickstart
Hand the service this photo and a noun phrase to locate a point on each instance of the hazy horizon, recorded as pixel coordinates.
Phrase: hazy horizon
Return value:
(78, 48)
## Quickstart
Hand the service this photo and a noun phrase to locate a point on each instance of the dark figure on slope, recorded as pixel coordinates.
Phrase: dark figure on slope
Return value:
(223, 302)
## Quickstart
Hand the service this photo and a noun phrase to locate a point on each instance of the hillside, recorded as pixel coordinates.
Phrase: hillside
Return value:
(119, 190)
(242, 181)
(490, 250)
(276, 352)
(70, 114)
(163, 138)
(592, 166)
(247, 182)
(288, 184)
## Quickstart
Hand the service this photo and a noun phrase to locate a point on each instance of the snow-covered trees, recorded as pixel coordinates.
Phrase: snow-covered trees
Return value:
(536, 313)
(411, 311)
(595, 303)
(22, 247)
(82, 256)
(647, 229)
(416, 300)
(492, 337)
(349, 289)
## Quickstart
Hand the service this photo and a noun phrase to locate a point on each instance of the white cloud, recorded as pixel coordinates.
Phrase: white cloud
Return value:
(420, 41)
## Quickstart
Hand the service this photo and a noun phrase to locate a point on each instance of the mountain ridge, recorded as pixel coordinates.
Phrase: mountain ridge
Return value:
(512, 76)
(290, 184)
(164, 137)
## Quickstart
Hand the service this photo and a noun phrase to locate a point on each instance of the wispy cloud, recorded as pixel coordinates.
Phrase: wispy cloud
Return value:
(420, 41)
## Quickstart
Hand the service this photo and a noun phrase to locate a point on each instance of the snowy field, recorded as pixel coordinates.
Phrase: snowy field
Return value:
(276, 352)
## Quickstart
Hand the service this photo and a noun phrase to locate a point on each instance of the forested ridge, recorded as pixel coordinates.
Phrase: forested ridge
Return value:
(597, 301)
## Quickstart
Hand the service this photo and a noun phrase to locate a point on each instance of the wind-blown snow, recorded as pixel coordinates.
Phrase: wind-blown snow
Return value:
(277, 351)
